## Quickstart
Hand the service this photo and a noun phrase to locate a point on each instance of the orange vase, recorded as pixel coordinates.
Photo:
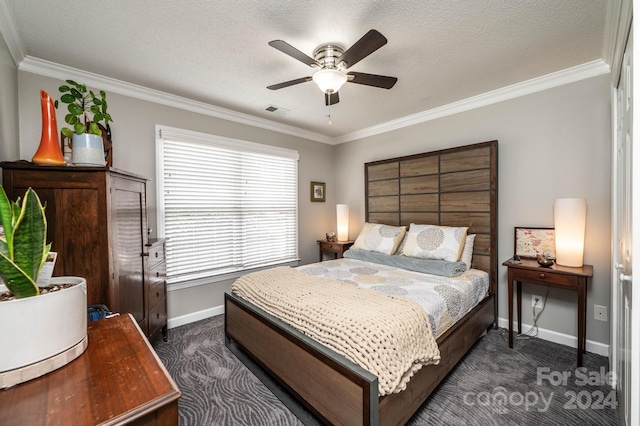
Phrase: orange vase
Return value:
(49, 152)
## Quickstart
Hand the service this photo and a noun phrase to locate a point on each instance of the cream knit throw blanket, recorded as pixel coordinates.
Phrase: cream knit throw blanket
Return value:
(388, 335)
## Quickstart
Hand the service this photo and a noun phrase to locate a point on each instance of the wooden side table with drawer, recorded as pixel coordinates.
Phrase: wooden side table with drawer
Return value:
(157, 285)
(528, 270)
(118, 380)
(336, 247)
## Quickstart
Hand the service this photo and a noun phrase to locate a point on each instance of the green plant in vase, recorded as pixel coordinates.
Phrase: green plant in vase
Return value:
(81, 102)
(23, 249)
(85, 111)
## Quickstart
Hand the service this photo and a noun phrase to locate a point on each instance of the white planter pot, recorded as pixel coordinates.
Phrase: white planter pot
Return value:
(42, 333)
(87, 150)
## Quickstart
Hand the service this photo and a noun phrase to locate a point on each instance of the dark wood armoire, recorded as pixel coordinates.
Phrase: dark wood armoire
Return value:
(97, 223)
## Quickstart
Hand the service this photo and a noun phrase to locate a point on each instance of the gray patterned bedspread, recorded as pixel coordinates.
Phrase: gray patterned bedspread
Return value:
(446, 299)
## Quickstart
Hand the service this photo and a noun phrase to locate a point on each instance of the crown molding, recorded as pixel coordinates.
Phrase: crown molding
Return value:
(9, 30)
(566, 76)
(63, 72)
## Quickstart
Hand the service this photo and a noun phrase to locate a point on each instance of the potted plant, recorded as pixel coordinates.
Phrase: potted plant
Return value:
(39, 332)
(85, 111)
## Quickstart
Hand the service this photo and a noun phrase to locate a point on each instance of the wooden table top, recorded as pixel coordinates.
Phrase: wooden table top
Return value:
(119, 378)
(532, 264)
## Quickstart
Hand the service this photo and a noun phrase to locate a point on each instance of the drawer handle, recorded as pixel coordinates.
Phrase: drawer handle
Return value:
(157, 274)
(157, 316)
(542, 276)
(156, 254)
(158, 294)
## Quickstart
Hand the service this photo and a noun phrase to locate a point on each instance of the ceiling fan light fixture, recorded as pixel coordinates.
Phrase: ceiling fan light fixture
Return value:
(329, 80)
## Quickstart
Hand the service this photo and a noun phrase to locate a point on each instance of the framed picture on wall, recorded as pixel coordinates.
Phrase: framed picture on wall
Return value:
(530, 242)
(318, 190)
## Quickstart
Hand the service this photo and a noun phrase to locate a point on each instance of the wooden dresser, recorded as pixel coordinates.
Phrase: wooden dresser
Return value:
(97, 222)
(156, 277)
(118, 380)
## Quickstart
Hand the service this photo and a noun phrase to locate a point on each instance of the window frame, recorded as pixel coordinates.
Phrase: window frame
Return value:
(166, 132)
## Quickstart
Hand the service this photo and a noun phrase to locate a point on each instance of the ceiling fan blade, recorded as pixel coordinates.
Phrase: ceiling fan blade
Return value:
(369, 43)
(286, 48)
(289, 83)
(330, 99)
(382, 81)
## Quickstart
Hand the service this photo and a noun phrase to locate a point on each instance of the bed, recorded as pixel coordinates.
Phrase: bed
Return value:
(451, 187)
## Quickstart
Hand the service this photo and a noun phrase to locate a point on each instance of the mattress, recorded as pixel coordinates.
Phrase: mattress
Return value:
(385, 334)
(445, 299)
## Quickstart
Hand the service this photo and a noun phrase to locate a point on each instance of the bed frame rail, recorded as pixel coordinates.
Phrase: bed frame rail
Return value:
(334, 389)
(325, 386)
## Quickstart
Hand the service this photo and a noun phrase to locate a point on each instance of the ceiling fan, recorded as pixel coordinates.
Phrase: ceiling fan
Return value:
(331, 61)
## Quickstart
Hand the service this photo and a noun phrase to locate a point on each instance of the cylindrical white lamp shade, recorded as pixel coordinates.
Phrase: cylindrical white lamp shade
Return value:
(342, 213)
(570, 217)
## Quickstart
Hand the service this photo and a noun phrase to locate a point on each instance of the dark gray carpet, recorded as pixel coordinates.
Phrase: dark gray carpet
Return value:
(493, 385)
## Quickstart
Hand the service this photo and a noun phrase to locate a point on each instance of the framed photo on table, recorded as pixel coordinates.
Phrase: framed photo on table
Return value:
(530, 242)
(318, 191)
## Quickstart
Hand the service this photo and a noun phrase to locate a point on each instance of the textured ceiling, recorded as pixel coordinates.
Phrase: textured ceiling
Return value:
(217, 52)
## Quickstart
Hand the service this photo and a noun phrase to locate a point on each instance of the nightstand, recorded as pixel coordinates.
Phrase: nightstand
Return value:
(528, 270)
(336, 247)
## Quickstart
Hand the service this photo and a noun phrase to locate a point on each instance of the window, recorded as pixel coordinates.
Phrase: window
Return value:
(224, 205)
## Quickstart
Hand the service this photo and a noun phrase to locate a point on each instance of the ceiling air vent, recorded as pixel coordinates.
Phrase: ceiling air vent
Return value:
(277, 110)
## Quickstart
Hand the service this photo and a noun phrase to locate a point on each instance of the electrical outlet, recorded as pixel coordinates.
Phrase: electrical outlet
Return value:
(537, 297)
(600, 313)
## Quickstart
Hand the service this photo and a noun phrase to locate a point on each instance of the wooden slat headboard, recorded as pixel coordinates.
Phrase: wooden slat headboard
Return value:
(449, 187)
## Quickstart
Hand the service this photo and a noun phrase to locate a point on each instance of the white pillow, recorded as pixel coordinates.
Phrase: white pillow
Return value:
(435, 242)
(467, 251)
(379, 238)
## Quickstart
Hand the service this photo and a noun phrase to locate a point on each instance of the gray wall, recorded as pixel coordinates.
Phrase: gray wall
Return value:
(551, 144)
(9, 137)
(134, 150)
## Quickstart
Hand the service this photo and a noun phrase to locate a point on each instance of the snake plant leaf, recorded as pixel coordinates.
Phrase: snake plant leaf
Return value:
(4, 248)
(29, 236)
(16, 280)
(6, 220)
(16, 209)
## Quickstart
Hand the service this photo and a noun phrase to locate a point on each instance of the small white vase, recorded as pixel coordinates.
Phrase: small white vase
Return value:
(42, 333)
(87, 150)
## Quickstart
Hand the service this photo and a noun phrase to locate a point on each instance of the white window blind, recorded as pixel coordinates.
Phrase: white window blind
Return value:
(224, 205)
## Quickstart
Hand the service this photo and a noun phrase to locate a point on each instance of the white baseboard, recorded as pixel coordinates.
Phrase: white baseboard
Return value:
(561, 338)
(195, 316)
